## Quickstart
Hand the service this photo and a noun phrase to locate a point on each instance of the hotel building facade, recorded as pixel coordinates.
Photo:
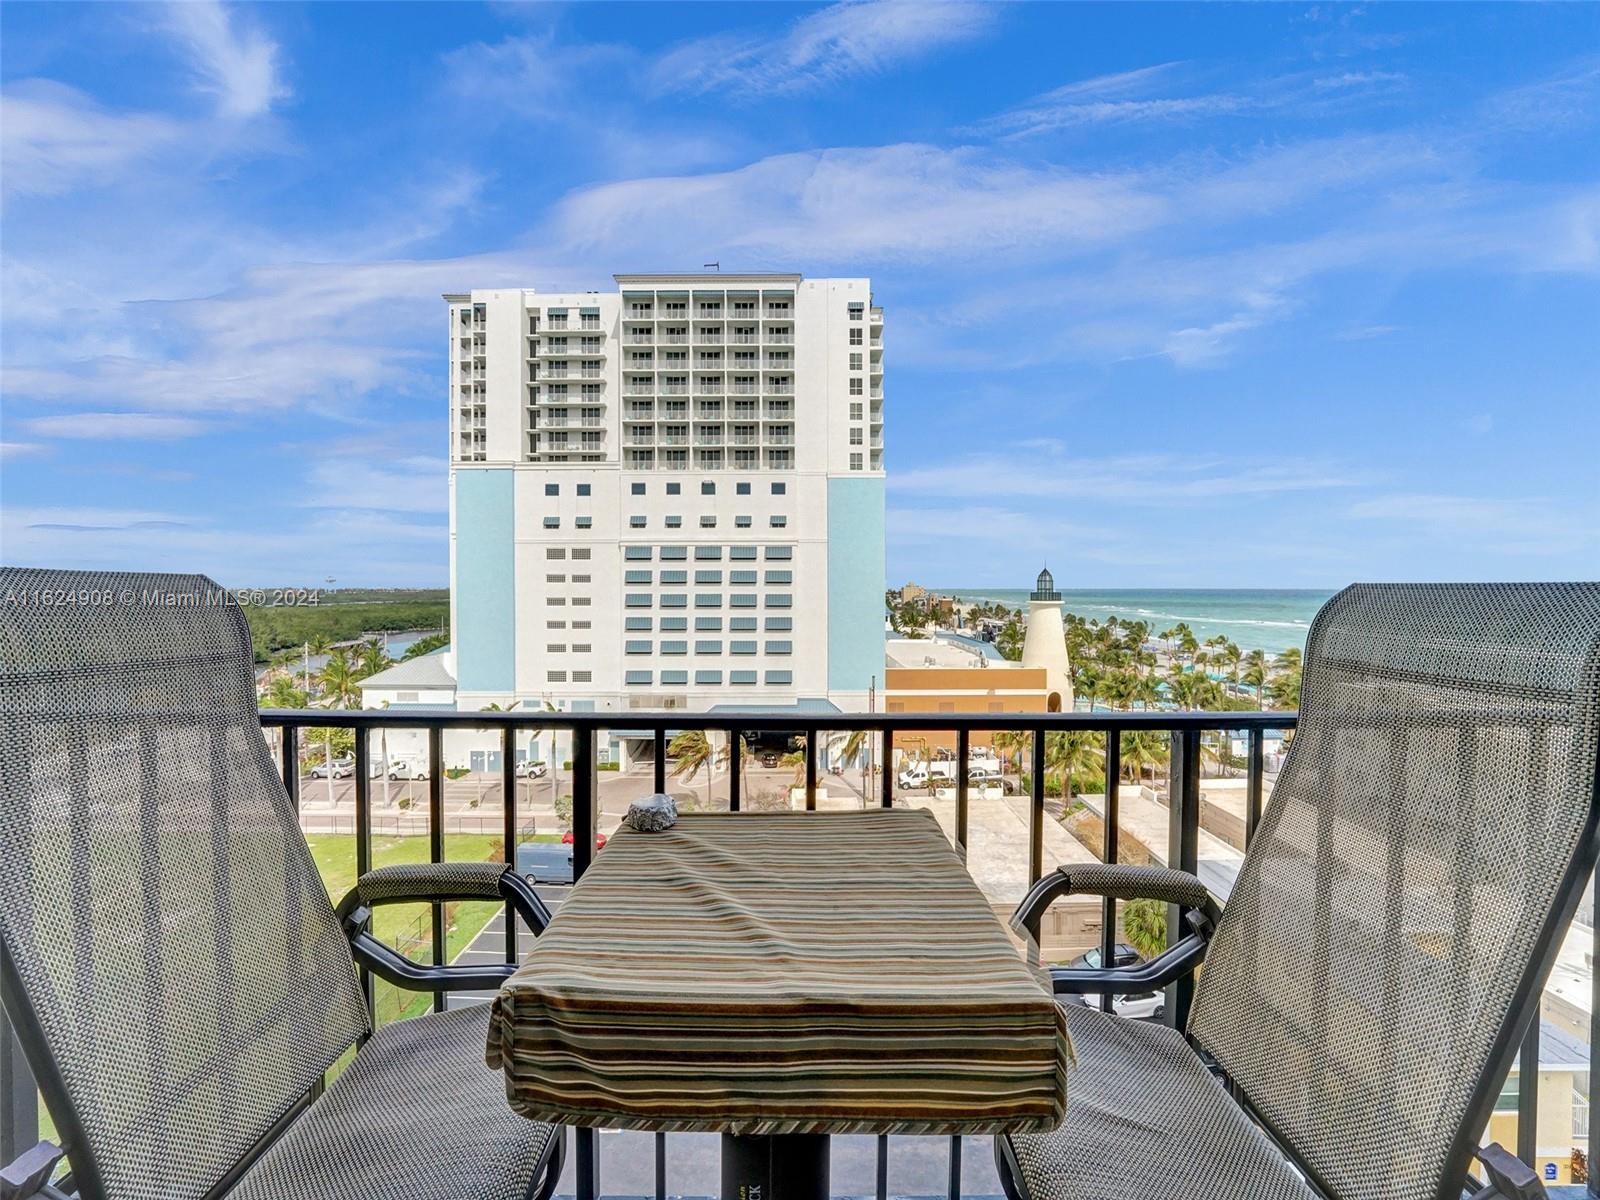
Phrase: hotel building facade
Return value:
(667, 496)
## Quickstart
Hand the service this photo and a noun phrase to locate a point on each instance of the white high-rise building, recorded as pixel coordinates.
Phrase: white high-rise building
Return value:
(669, 495)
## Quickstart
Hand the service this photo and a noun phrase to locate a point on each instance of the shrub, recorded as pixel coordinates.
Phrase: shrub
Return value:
(455, 772)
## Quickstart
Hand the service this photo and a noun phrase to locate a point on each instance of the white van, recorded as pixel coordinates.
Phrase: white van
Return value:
(918, 774)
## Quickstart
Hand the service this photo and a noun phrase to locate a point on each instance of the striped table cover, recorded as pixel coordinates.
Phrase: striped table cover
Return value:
(767, 973)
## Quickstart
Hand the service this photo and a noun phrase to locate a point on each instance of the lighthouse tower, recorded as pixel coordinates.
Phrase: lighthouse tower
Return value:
(1046, 643)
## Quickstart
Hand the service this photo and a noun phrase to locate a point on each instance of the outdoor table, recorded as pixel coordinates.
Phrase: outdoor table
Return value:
(778, 978)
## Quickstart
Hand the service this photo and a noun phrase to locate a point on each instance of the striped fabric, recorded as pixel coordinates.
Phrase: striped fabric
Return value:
(767, 973)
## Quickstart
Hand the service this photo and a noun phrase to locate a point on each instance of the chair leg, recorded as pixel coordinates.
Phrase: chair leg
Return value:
(1005, 1164)
(555, 1158)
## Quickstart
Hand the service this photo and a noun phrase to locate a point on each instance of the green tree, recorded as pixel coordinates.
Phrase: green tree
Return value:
(1143, 748)
(1070, 753)
(427, 645)
(692, 753)
(283, 692)
(1144, 924)
(1009, 640)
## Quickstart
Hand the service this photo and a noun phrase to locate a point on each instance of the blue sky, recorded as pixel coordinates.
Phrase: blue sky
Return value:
(1267, 295)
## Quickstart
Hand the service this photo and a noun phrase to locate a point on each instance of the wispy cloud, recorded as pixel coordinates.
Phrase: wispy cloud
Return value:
(15, 450)
(53, 139)
(1508, 525)
(843, 40)
(230, 58)
(116, 425)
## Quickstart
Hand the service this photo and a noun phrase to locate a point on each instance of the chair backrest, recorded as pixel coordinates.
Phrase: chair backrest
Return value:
(1428, 837)
(172, 961)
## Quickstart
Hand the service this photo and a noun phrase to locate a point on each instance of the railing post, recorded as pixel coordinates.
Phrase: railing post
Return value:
(363, 758)
(888, 768)
(1528, 1092)
(19, 1097)
(435, 841)
(1036, 811)
(660, 766)
(735, 758)
(963, 783)
(289, 752)
(1112, 817)
(508, 825)
(811, 770)
(1257, 769)
(1183, 838)
(585, 783)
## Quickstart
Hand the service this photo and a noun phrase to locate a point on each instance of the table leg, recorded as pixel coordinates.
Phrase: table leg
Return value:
(783, 1167)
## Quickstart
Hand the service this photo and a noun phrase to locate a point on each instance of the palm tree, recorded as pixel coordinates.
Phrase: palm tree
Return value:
(283, 692)
(853, 748)
(1255, 675)
(1144, 924)
(371, 657)
(692, 751)
(1143, 748)
(338, 679)
(725, 752)
(1232, 656)
(1009, 743)
(1068, 752)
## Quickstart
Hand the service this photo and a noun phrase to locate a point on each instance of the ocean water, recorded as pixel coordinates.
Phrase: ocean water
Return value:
(1269, 619)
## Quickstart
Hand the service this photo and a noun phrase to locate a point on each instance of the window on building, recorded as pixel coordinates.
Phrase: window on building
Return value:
(583, 489)
(552, 522)
(583, 677)
(674, 489)
(674, 600)
(678, 677)
(778, 489)
(857, 310)
(780, 600)
(708, 576)
(636, 647)
(555, 624)
(636, 600)
(741, 489)
(556, 601)
(675, 647)
(855, 337)
(779, 624)
(707, 488)
(580, 579)
(781, 553)
(712, 553)
(580, 601)
(855, 362)
(856, 412)
(555, 648)
(707, 521)
(741, 647)
(636, 677)
(708, 646)
(555, 676)
(855, 388)
(555, 578)
(708, 677)
(552, 489)
(581, 554)
(780, 576)
(584, 522)
(674, 624)
(636, 624)
(674, 577)
(742, 624)
(741, 677)
(780, 677)
(780, 647)
(583, 624)
(636, 522)
(554, 552)
(741, 553)
(708, 624)
(855, 435)
(708, 600)
(742, 600)
(636, 489)
(855, 462)
(778, 521)
(674, 522)
(633, 553)
(636, 576)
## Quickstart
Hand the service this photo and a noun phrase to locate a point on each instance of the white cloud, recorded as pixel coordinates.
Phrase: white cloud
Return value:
(15, 450)
(409, 484)
(53, 139)
(1508, 525)
(1144, 479)
(231, 60)
(835, 43)
(366, 547)
(117, 426)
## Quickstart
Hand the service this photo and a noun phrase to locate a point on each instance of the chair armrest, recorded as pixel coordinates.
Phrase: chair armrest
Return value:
(27, 1176)
(432, 883)
(1123, 882)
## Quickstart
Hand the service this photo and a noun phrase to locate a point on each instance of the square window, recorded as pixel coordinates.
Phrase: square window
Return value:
(741, 489)
(779, 521)
(779, 489)
(674, 489)
(552, 489)
(707, 488)
(636, 489)
(583, 489)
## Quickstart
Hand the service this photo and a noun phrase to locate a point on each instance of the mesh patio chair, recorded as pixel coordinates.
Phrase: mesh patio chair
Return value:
(1386, 943)
(172, 966)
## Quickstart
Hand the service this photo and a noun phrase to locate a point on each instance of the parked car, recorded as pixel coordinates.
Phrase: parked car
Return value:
(918, 774)
(400, 769)
(599, 840)
(544, 862)
(532, 768)
(1135, 1006)
(339, 768)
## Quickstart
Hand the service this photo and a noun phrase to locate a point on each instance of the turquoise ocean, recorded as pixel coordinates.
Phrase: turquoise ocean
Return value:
(1266, 619)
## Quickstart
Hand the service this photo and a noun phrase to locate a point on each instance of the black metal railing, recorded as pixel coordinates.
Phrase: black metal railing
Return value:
(18, 1100)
